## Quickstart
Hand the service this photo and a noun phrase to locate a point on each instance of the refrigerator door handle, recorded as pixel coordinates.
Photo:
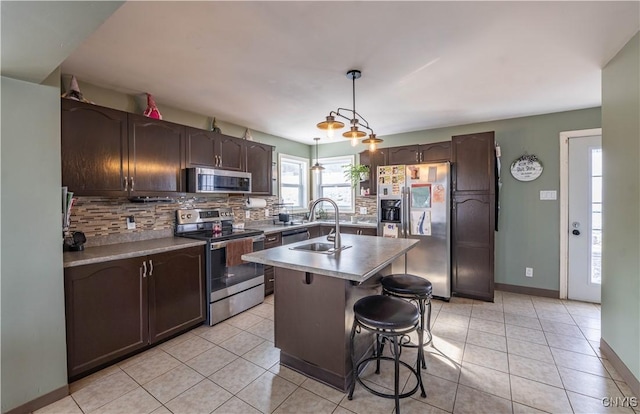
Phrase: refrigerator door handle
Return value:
(408, 210)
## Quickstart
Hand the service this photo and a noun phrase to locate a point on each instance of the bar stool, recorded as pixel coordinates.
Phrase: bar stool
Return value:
(390, 318)
(414, 289)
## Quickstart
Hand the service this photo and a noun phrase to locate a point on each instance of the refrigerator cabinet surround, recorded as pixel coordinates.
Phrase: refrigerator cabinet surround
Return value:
(424, 191)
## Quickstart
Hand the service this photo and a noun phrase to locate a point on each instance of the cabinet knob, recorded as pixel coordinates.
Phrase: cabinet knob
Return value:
(576, 232)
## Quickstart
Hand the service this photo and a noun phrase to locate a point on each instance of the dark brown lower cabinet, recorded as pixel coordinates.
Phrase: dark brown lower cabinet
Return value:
(118, 307)
(106, 313)
(271, 240)
(367, 231)
(176, 292)
(472, 246)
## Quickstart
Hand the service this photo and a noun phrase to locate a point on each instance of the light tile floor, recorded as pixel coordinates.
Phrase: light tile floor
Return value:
(521, 354)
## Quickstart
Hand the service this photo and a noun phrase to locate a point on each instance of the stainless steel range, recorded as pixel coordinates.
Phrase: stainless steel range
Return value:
(233, 286)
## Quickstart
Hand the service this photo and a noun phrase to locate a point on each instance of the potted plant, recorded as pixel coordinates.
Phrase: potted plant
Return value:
(356, 173)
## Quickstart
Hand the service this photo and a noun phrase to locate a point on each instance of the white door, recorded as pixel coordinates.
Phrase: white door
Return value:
(585, 218)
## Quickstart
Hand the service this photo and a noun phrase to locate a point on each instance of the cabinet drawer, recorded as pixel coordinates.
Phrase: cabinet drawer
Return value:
(272, 240)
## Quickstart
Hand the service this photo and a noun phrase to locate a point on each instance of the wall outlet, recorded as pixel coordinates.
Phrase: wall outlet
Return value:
(131, 223)
(363, 210)
(528, 271)
(266, 212)
(247, 214)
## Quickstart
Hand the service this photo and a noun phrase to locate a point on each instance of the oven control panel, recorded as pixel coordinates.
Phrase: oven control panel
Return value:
(194, 216)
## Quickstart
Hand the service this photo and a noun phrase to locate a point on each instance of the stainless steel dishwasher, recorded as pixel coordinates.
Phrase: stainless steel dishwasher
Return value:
(294, 235)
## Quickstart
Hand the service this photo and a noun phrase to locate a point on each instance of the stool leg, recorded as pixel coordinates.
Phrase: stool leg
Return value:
(420, 358)
(379, 350)
(354, 367)
(421, 334)
(396, 385)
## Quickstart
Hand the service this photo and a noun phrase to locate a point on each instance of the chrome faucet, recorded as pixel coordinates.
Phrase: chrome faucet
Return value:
(337, 245)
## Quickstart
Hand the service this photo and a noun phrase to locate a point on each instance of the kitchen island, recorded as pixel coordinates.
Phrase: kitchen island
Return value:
(314, 297)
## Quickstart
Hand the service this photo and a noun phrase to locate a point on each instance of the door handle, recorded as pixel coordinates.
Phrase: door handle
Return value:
(576, 232)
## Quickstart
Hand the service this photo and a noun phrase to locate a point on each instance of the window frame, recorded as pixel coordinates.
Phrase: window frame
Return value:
(317, 179)
(304, 180)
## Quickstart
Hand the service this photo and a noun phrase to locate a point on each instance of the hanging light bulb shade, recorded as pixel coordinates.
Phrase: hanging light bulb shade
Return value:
(372, 141)
(354, 133)
(317, 167)
(355, 119)
(330, 123)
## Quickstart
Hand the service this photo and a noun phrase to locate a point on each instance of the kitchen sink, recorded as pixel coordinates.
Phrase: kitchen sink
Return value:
(316, 247)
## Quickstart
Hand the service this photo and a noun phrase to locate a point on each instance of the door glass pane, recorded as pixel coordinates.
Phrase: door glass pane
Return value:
(596, 215)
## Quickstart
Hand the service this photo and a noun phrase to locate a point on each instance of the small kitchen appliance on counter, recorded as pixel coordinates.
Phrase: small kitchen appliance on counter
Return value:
(74, 242)
(233, 286)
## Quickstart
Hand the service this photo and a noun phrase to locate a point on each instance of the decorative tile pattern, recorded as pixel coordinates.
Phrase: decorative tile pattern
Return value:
(519, 355)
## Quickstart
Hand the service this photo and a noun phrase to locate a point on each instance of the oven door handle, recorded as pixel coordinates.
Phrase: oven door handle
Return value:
(223, 244)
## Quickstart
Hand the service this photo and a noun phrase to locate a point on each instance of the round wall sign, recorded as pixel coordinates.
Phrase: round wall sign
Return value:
(526, 168)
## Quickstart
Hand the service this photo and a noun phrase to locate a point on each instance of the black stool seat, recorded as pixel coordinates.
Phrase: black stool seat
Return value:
(386, 312)
(406, 284)
(414, 289)
(388, 318)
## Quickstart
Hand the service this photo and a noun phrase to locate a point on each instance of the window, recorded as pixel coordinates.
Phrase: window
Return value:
(332, 183)
(293, 180)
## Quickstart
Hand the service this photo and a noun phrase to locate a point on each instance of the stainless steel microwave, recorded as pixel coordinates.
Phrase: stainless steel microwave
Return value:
(208, 180)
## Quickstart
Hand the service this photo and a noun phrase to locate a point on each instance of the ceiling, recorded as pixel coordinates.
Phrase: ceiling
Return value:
(279, 67)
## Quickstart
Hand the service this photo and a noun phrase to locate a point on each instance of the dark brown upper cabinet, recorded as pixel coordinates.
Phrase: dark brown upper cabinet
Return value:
(259, 163)
(156, 156)
(373, 160)
(435, 152)
(420, 153)
(473, 158)
(473, 216)
(214, 150)
(94, 149)
(113, 153)
(407, 154)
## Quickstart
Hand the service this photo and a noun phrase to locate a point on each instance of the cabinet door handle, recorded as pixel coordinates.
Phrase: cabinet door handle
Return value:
(271, 280)
(144, 267)
(126, 183)
(220, 160)
(133, 183)
(417, 156)
(272, 239)
(150, 267)
(308, 235)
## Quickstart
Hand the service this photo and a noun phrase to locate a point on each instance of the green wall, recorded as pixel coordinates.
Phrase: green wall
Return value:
(528, 233)
(621, 221)
(32, 305)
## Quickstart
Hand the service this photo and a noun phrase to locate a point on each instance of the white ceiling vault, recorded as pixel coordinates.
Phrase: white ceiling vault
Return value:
(279, 67)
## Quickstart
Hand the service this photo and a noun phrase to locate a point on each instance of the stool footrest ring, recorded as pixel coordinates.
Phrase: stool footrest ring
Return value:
(383, 395)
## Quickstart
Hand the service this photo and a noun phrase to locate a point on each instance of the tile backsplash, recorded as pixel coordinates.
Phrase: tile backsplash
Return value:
(103, 219)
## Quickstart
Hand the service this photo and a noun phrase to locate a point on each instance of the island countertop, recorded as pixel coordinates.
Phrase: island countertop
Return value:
(366, 256)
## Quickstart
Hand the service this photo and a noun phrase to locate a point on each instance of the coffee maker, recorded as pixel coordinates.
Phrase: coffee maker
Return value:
(390, 210)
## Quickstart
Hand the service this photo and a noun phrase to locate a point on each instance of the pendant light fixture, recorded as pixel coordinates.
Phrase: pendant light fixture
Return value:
(317, 167)
(356, 120)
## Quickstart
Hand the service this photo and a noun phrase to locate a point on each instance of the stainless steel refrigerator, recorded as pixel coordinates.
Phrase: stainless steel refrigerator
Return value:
(414, 202)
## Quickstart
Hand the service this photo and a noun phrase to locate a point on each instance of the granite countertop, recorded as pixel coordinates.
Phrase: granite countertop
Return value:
(366, 256)
(275, 228)
(106, 253)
